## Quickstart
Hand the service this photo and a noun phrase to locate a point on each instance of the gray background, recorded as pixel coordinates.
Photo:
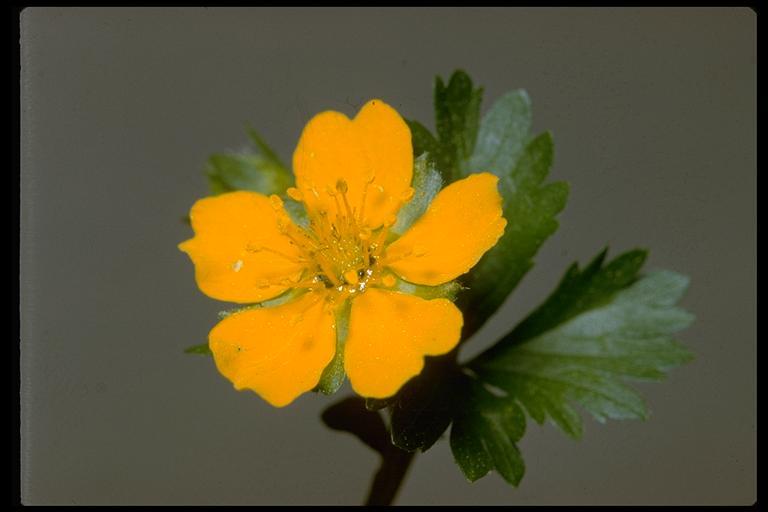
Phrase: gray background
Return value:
(654, 117)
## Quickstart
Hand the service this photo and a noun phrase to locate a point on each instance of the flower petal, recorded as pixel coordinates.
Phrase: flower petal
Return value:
(239, 252)
(278, 352)
(375, 145)
(389, 335)
(460, 225)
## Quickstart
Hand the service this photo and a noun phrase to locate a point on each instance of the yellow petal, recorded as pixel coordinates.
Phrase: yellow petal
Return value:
(389, 335)
(460, 225)
(371, 155)
(278, 352)
(239, 252)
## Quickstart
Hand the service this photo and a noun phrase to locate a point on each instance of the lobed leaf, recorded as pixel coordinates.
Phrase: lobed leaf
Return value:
(530, 207)
(457, 114)
(600, 325)
(424, 407)
(500, 144)
(503, 134)
(484, 436)
(423, 141)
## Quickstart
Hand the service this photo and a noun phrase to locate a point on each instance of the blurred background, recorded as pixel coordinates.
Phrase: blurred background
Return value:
(653, 112)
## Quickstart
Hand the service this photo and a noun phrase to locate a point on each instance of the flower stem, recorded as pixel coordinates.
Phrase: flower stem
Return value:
(388, 479)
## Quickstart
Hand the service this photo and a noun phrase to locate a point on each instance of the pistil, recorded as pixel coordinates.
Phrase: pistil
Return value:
(341, 253)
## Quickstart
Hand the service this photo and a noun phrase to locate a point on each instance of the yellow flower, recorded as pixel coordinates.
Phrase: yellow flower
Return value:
(352, 177)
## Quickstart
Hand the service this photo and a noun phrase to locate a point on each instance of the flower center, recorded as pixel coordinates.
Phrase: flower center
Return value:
(341, 253)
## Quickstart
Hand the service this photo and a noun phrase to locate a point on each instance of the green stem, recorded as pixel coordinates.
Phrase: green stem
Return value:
(388, 479)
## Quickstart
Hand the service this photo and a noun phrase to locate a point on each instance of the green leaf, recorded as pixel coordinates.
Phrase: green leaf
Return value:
(423, 141)
(600, 325)
(422, 410)
(530, 207)
(499, 144)
(503, 134)
(333, 375)
(484, 436)
(457, 114)
(580, 291)
(267, 152)
(426, 184)
(199, 349)
(261, 171)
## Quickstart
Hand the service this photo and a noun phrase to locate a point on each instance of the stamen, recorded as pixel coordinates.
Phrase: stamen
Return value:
(339, 252)
(361, 212)
(350, 276)
(310, 283)
(256, 248)
(294, 194)
(327, 269)
(341, 186)
(275, 201)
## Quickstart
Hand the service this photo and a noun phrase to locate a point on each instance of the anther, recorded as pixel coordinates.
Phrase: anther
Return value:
(275, 201)
(294, 194)
(351, 277)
